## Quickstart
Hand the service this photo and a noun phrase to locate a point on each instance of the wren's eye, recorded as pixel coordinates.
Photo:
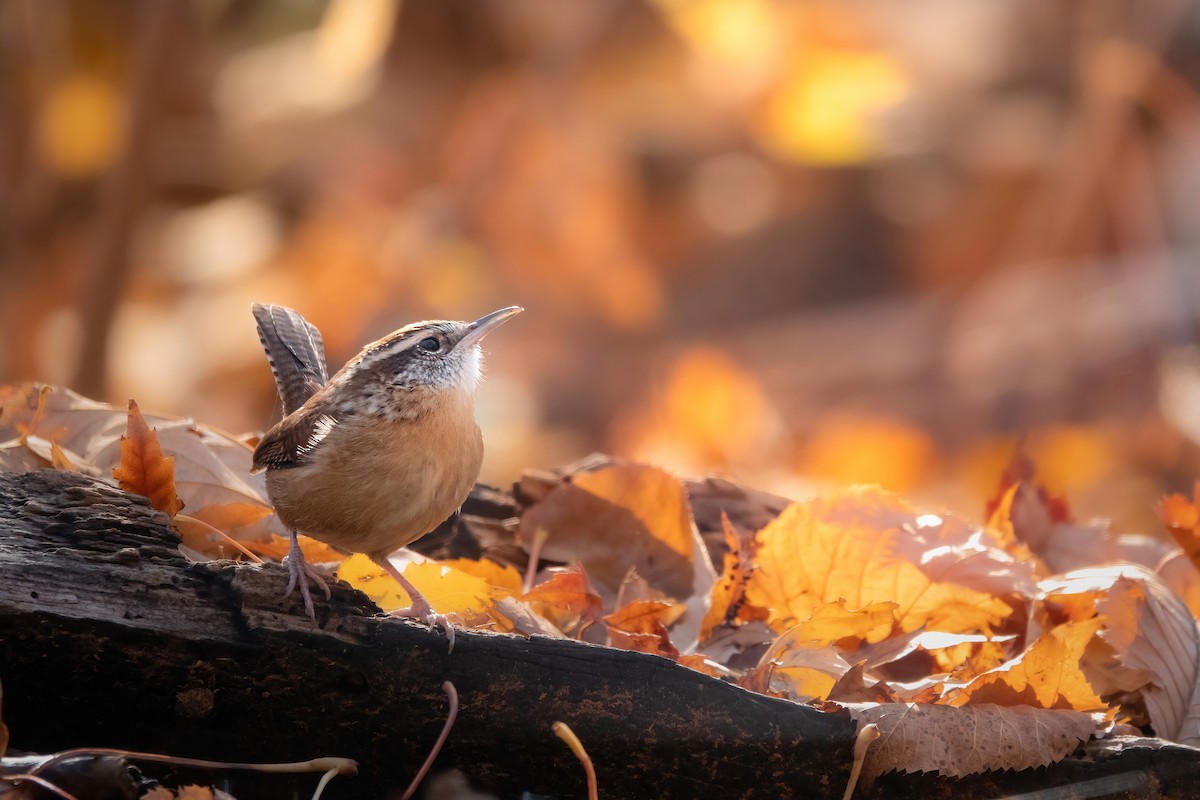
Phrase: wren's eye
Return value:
(430, 344)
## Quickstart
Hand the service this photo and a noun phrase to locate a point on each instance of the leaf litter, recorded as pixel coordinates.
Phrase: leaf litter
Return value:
(1002, 646)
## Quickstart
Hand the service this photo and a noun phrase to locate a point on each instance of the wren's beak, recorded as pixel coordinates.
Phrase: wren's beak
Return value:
(482, 326)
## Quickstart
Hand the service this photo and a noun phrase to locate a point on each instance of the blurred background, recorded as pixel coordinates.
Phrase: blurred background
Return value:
(794, 243)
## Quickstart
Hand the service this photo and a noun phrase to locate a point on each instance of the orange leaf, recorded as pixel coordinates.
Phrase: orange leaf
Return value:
(640, 616)
(642, 625)
(728, 593)
(144, 469)
(1182, 520)
(276, 547)
(224, 516)
(567, 600)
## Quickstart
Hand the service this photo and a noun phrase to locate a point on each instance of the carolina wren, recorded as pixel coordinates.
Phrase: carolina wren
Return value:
(376, 457)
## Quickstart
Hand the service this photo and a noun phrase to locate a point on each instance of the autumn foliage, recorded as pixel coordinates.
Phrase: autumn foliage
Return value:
(1032, 632)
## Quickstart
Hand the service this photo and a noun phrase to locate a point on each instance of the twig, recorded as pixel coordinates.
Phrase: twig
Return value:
(220, 534)
(452, 715)
(564, 732)
(535, 550)
(42, 782)
(868, 734)
(326, 764)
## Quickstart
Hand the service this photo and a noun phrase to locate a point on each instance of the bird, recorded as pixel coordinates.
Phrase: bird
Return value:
(375, 457)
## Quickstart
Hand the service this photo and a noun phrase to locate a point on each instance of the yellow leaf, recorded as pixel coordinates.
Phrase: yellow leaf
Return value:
(865, 546)
(144, 469)
(448, 590)
(1047, 674)
(500, 576)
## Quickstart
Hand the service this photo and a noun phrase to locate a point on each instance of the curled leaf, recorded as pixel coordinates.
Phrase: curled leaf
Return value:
(144, 469)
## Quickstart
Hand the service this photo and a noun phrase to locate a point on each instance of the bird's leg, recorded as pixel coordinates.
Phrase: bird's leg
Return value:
(418, 607)
(300, 572)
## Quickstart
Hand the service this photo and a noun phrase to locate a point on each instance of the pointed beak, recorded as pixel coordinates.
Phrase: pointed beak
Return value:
(484, 325)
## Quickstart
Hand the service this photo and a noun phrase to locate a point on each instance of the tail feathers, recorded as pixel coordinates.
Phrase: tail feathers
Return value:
(295, 351)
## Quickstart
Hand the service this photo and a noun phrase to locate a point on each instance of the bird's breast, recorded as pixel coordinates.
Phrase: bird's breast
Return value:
(376, 484)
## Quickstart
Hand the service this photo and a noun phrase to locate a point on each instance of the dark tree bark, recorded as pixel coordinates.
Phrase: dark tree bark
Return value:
(110, 638)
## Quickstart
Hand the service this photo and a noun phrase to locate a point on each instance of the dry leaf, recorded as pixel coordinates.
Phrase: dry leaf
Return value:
(499, 576)
(1182, 520)
(1152, 630)
(1026, 517)
(211, 467)
(866, 546)
(805, 664)
(227, 516)
(728, 593)
(642, 626)
(852, 688)
(622, 516)
(1047, 674)
(567, 600)
(523, 619)
(144, 469)
(962, 741)
(448, 590)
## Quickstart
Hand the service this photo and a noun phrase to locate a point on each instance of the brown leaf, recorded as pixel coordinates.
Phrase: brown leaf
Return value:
(622, 516)
(964, 741)
(852, 688)
(144, 469)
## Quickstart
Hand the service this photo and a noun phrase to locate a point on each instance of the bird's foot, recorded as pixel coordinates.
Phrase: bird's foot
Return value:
(421, 611)
(301, 573)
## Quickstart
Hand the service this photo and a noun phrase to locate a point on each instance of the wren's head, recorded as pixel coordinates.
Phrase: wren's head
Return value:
(428, 357)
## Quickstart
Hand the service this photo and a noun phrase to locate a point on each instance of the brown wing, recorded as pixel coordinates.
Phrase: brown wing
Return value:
(295, 351)
(292, 441)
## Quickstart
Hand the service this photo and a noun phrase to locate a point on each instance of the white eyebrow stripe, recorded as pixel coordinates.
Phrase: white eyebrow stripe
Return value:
(389, 349)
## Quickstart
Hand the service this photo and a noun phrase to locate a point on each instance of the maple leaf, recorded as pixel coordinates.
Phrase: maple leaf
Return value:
(866, 546)
(144, 469)
(917, 737)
